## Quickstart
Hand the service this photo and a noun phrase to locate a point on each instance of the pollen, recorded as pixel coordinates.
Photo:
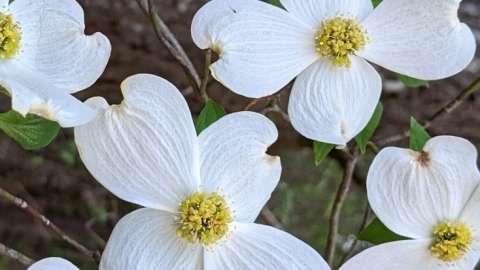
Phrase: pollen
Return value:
(451, 241)
(338, 38)
(10, 37)
(204, 218)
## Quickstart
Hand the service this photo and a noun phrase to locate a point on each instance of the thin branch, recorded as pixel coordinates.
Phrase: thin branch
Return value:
(15, 255)
(277, 109)
(23, 205)
(454, 104)
(340, 197)
(363, 225)
(170, 42)
(445, 110)
(270, 218)
(206, 76)
(99, 240)
(254, 102)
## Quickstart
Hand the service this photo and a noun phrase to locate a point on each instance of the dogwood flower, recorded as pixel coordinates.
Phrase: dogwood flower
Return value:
(53, 263)
(327, 44)
(201, 194)
(431, 197)
(45, 57)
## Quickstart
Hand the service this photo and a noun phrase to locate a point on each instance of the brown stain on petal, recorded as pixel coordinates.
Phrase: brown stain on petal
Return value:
(423, 158)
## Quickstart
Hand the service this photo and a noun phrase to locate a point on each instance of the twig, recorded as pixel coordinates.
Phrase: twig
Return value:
(254, 102)
(171, 43)
(206, 76)
(454, 104)
(445, 110)
(270, 218)
(374, 147)
(15, 255)
(275, 108)
(99, 240)
(363, 225)
(23, 205)
(340, 197)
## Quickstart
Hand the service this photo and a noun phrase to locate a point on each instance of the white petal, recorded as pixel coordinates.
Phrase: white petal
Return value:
(31, 94)
(53, 264)
(145, 150)
(146, 240)
(418, 38)
(411, 194)
(400, 255)
(261, 47)
(331, 104)
(56, 45)
(234, 162)
(254, 246)
(4, 5)
(471, 214)
(207, 18)
(313, 12)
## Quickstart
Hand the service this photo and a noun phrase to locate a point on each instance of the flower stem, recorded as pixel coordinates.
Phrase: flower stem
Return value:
(206, 76)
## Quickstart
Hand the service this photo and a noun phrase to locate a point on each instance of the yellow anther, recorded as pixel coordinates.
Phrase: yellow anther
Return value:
(204, 218)
(451, 241)
(338, 38)
(10, 37)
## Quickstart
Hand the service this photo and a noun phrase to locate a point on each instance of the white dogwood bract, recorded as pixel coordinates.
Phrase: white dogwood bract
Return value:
(46, 57)
(53, 263)
(431, 197)
(262, 48)
(146, 151)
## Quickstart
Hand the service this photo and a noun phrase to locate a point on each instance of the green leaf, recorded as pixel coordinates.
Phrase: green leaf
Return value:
(31, 132)
(418, 135)
(377, 233)
(321, 151)
(376, 2)
(411, 82)
(367, 133)
(210, 113)
(274, 2)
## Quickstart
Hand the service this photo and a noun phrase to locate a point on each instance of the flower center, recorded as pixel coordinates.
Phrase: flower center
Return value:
(9, 37)
(450, 241)
(338, 38)
(204, 218)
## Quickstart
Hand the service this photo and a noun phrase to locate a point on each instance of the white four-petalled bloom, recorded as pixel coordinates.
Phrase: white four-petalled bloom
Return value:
(45, 57)
(53, 263)
(327, 44)
(432, 197)
(201, 194)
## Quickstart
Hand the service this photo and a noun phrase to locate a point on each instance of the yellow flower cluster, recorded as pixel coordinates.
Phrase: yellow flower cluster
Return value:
(10, 37)
(338, 38)
(450, 241)
(204, 218)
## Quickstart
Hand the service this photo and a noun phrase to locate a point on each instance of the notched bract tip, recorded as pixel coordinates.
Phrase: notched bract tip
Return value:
(423, 158)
